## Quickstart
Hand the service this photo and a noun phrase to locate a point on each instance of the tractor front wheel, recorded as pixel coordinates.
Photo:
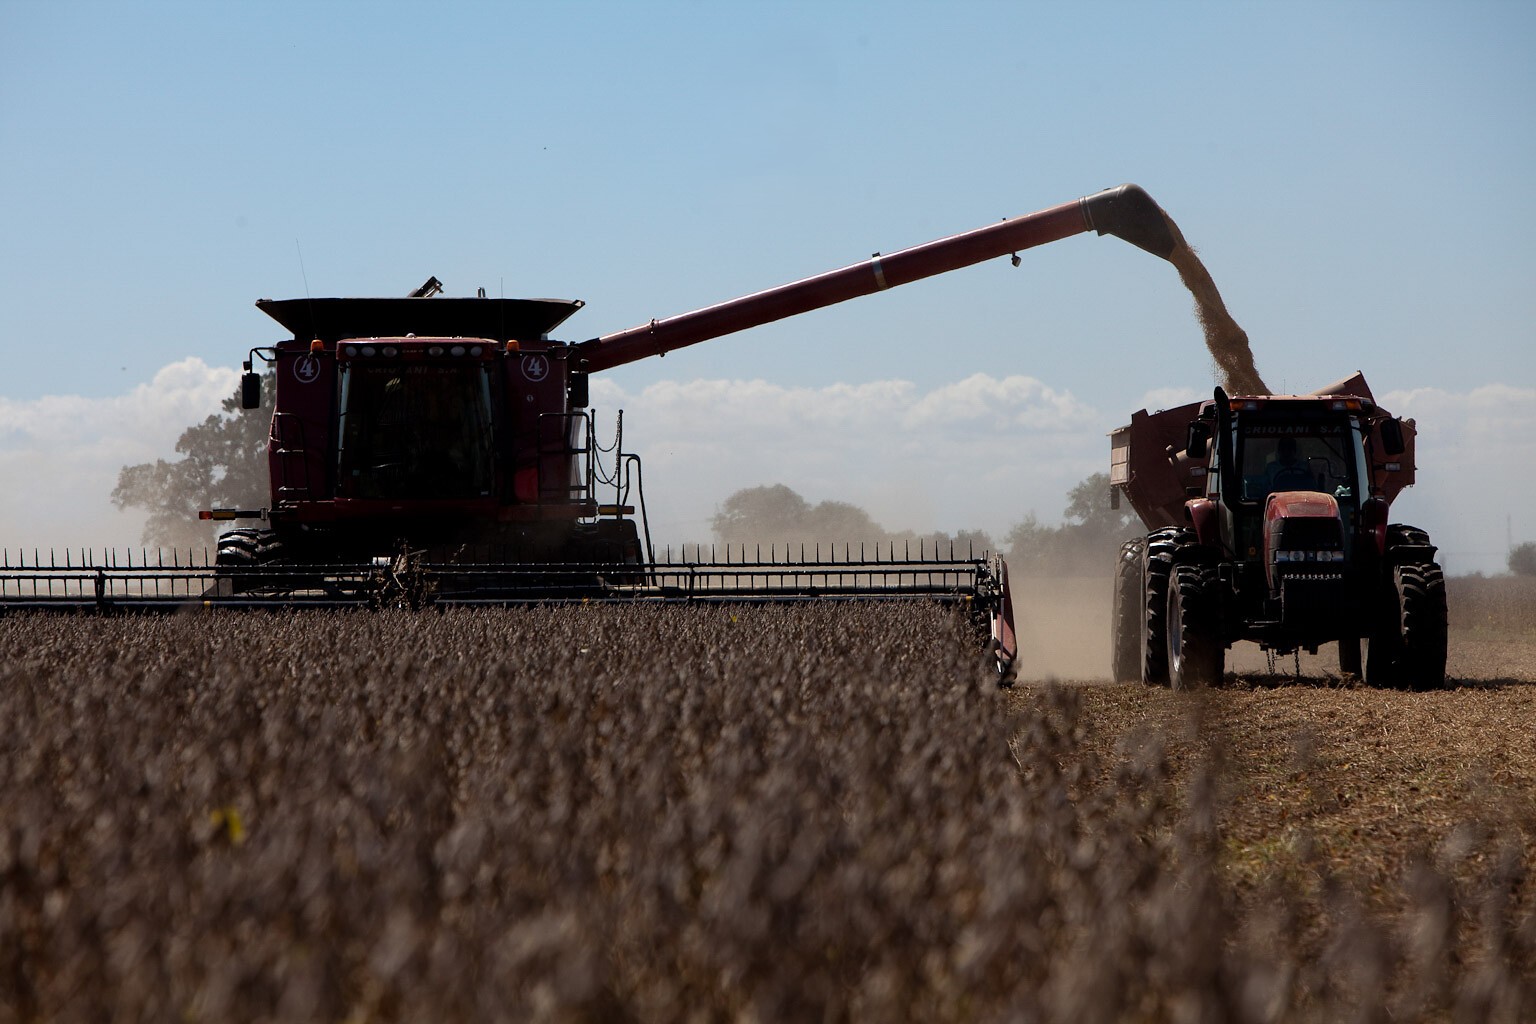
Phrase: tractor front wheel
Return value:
(1156, 571)
(1195, 650)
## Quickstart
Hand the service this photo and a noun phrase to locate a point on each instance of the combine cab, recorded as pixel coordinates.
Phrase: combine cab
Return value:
(1269, 522)
(430, 450)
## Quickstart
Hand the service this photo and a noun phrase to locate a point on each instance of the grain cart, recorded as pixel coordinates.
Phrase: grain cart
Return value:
(1269, 521)
(440, 450)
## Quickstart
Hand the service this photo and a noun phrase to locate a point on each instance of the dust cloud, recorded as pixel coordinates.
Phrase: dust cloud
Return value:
(1062, 624)
(1227, 342)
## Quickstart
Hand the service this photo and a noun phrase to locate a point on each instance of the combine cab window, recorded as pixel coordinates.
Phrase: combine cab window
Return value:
(419, 432)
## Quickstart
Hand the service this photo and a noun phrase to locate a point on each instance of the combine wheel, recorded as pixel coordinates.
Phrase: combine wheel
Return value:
(242, 561)
(1126, 619)
(1195, 650)
(1409, 649)
(238, 548)
(236, 556)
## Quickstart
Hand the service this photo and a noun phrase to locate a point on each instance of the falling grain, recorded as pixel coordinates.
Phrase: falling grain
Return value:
(1226, 341)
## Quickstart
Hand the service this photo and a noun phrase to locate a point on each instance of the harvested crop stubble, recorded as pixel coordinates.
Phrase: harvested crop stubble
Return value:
(778, 813)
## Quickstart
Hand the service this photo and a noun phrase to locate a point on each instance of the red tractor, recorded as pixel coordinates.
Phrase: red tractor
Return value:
(1269, 519)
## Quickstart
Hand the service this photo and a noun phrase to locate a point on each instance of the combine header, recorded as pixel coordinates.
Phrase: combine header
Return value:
(429, 450)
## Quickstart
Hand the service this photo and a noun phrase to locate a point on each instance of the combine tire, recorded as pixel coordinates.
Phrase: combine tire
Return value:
(1157, 568)
(1195, 650)
(237, 548)
(236, 556)
(1408, 649)
(242, 561)
(1126, 619)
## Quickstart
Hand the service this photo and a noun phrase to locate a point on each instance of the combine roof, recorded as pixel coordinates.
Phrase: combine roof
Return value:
(497, 319)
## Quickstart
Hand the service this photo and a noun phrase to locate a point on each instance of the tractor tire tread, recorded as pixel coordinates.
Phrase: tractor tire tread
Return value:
(1157, 570)
(1194, 613)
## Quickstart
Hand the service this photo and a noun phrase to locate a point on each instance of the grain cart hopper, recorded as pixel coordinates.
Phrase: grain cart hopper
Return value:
(440, 450)
(1269, 521)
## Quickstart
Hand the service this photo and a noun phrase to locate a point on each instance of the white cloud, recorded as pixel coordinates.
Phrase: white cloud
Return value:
(978, 452)
(1476, 451)
(60, 454)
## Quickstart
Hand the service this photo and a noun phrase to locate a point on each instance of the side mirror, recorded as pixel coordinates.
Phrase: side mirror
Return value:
(576, 388)
(250, 389)
(1199, 443)
(1392, 437)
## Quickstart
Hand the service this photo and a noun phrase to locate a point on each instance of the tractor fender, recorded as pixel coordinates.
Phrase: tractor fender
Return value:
(1205, 517)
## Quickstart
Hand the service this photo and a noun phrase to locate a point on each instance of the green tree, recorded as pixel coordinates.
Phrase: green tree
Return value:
(775, 514)
(1083, 545)
(1089, 507)
(1522, 559)
(224, 463)
(754, 513)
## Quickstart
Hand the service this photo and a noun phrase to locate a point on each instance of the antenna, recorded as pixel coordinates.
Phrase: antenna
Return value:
(302, 272)
(309, 299)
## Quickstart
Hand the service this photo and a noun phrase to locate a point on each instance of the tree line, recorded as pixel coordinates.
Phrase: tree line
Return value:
(1082, 545)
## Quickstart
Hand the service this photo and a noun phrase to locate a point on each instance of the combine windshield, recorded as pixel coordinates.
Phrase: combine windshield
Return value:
(416, 431)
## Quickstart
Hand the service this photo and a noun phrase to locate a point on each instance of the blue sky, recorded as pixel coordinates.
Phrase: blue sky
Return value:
(1356, 176)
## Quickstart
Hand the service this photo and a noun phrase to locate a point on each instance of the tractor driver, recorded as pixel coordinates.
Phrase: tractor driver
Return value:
(1287, 471)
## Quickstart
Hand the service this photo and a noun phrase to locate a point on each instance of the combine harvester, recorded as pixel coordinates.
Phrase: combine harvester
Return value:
(1269, 523)
(428, 450)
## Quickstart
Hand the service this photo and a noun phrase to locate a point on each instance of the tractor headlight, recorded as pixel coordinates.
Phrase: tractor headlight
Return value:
(1309, 556)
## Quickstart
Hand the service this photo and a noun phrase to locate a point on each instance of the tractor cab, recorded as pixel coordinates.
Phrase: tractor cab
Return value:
(1288, 495)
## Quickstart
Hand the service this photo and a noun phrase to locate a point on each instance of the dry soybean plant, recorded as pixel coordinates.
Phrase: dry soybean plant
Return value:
(647, 813)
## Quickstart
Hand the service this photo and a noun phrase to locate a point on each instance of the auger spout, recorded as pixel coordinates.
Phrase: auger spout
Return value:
(1128, 213)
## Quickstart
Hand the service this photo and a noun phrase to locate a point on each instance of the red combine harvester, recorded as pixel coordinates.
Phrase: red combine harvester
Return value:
(1269, 522)
(439, 450)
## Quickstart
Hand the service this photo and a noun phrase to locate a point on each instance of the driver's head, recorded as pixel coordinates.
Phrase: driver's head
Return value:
(1286, 452)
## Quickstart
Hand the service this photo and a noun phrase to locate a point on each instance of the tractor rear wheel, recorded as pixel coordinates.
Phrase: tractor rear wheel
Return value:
(1126, 619)
(1408, 648)
(1409, 651)
(1195, 650)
